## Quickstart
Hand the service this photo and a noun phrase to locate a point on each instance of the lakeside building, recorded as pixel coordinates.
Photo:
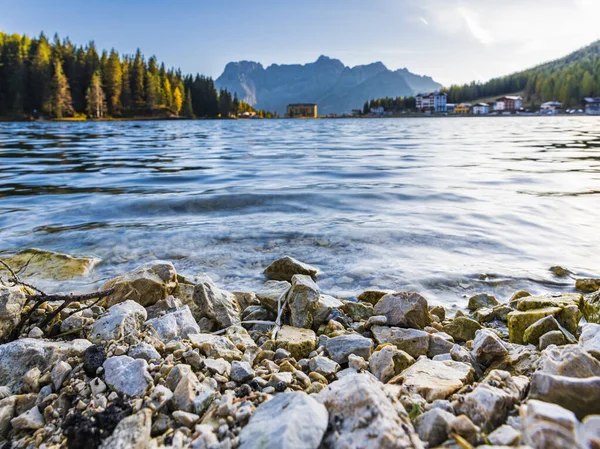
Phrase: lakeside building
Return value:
(301, 110)
(591, 105)
(481, 109)
(431, 102)
(463, 108)
(450, 107)
(509, 103)
(551, 107)
(379, 110)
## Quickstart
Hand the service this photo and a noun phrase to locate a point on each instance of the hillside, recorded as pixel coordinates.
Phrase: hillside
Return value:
(567, 80)
(334, 87)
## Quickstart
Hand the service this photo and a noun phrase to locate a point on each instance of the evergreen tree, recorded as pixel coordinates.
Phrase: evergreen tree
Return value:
(41, 76)
(95, 97)
(188, 110)
(138, 75)
(125, 87)
(114, 83)
(61, 103)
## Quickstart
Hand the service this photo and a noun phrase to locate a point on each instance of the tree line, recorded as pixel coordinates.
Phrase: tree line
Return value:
(57, 79)
(395, 104)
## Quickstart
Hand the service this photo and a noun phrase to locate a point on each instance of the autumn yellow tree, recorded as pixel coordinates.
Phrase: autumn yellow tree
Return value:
(177, 100)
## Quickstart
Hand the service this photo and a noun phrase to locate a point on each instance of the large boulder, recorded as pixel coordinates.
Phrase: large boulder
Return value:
(519, 321)
(548, 426)
(145, 285)
(570, 305)
(405, 309)
(590, 339)
(121, 320)
(216, 304)
(299, 342)
(179, 323)
(361, 415)
(434, 379)
(303, 300)
(490, 402)
(462, 328)
(40, 263)
(289, 421)
(285, 268)
(591, 308)
(575, 394)
(20, 356)
(568, 360)
(339, 348)
(12, 300)
(587, 285)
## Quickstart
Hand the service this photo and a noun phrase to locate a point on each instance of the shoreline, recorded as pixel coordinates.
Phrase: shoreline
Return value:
(156, 359)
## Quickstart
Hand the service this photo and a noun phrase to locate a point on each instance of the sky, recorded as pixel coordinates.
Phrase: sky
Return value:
(453, 41)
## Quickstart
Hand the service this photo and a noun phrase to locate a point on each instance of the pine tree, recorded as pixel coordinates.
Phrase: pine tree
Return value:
(188, 110)
(114, 83)
(125, 87)
(138, 75)
(41, 76)
(61, 103)
(95, 97)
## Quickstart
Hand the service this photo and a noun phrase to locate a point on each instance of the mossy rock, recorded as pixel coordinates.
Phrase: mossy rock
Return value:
(373, 296)
(358, 311)
(49, 264)
(539, 302)
(300, 342)
(462, 328)
(542, 326)
(591, 308)
(587, 285)
(482, 300)
(519, 321)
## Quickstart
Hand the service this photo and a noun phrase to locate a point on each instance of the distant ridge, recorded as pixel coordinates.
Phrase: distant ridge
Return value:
(334, 87)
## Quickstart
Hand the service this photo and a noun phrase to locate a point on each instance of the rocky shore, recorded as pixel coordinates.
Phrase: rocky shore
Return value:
(169, 362)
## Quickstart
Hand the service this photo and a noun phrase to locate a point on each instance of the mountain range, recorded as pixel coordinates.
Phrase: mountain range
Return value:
(334, 87)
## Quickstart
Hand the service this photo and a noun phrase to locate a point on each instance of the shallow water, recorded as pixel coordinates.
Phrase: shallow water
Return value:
(447, 206)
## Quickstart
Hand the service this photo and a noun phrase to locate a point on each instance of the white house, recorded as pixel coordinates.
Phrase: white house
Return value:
(431, 102)
(509, 103)
(550, 107)
(378, 110)
(592, 105)
(481, 109)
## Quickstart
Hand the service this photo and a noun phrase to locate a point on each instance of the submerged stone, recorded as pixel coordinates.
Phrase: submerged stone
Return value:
(49, 264)
(482, 300)
(587, 285)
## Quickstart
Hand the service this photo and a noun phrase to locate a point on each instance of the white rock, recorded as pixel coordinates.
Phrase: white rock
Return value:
(568, 360)
(589, 432)
(126, 375)
(179, 323)
(185, 419)
(219, 366)
(215, 346)
(406, 309)
(590, 339)
(7, 412)
(388, 362)
(35, 332)
(216, 304)
(188, 388)
(289, 421)
(59, 373)
(548, 426)
(12, 300)
(323, 366)
(132, 432)
(505, 435)
(487, 346)
(121, 320)
(29, 420)
(361, 415)
(97, 386)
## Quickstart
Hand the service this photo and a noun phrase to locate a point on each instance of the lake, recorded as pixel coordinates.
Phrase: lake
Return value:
(444, 206)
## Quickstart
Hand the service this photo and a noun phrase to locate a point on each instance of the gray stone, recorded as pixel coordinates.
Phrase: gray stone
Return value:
(373, 296)
(548, 426)
(505, 435)
(361, 415)
(132, 432)
(273, 293)
(289, 421)
(490, 402)
(144, 351)
(434, 379)
(187, 390)
(589, 432)
(241, 371)
(216, 304)
(240, 337)
(376, 320)
(388, 362)
(406, 309)
(339, 348)
(462, 328)
(122, 319)
(176, 374)
(325, 305)
(12, 300)
(218, 366)
(439, 343)
(302, 301)
(578, 395)
(126, 375)
(541, 327)
(552, 338)
(20, 356)
(568, 360)
(29, 420)
(285, 268)
(179, 323)
(433, 426)
(323, 366)
(412, 341)
(487, 346)
(215, 346)
(482, 300)
(590, 339)
(185, 419)
(145, 285)
(59, 373)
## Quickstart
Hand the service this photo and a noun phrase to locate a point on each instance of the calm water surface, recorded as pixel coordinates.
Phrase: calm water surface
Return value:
(444, 206)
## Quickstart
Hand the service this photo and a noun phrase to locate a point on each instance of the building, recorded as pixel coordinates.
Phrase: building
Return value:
(551, 107)
(509, 103)
(481, 109)
(301, 110)
(463, 108)
(377, 111)
(591, 105)
(431, 102)
(450, 107)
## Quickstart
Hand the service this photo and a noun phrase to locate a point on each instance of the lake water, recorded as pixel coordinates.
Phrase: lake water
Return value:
(447, 206)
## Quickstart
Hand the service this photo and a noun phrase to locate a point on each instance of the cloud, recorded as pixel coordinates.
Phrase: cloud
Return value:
(480, 33)
(422, 19)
